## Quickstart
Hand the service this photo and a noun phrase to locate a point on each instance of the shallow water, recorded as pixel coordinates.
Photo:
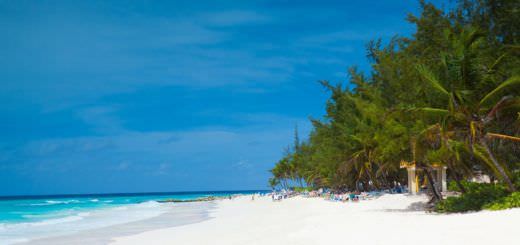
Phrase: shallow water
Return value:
(24, 219)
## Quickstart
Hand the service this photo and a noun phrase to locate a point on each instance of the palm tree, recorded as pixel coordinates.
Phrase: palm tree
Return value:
(273, 182)
(367, 117)
(362, 163)
(475, 94)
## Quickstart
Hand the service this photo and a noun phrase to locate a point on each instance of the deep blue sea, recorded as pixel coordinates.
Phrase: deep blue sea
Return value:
(28, 217)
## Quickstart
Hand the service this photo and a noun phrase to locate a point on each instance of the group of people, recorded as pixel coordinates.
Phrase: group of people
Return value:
(352, 196)
(284, 194)
(336, 196)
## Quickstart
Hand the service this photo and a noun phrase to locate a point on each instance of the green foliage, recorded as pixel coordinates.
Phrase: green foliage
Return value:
(477, 196)
(511, 201)
(452, 186)
(303, 189)
(431, 98)
(480, 196)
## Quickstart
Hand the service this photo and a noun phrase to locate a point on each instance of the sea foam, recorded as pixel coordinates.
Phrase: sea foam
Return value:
(78, 221)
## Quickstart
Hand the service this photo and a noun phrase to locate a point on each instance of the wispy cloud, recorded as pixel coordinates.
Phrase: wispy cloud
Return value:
(234, 18)
(123, 165)
(261, 139)
(102, 119)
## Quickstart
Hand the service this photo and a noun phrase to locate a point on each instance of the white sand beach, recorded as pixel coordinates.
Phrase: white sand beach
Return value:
(390, 219)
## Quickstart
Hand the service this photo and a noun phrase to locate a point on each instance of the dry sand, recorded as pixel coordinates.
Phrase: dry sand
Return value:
(390, 219)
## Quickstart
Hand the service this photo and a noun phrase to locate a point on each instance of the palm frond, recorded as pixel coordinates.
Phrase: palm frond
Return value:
(515, 80)
(503, 136)
(432, 111)
(481, 154)
(428, 75)
(497, 61)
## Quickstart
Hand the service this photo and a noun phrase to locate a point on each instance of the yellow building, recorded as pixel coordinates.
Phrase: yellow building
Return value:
(413, 177)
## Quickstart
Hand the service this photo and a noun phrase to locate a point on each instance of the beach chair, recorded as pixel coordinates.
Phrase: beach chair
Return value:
(353, 197)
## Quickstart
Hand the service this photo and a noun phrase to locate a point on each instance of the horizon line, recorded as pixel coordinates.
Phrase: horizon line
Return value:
(11, 197)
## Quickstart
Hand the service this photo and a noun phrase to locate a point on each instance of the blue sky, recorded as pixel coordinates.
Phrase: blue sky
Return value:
(136, 96)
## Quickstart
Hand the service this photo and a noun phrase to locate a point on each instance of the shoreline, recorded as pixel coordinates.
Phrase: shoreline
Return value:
(178, 215)
(388, 219)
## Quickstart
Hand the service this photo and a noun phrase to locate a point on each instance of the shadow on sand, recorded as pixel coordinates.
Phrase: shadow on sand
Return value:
(413, 207)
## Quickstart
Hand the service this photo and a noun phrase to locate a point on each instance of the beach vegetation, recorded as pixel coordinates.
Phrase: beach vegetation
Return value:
(510, 201)
(449, 95)
(477, 197)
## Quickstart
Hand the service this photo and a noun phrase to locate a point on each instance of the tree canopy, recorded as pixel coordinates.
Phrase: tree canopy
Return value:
(448, 94)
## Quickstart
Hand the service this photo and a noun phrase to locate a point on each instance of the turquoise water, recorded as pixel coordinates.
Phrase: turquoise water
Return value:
(25, 218)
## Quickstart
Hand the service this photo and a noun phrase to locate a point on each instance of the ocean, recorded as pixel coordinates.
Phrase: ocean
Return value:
(25, 218)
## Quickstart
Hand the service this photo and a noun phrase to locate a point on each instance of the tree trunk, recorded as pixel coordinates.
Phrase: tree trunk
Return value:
(431, 184)
(456, 176)
(505, 177)
(386, 184)
(371, 179)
